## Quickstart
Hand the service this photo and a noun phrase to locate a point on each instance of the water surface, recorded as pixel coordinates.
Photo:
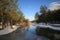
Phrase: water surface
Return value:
(23, 34)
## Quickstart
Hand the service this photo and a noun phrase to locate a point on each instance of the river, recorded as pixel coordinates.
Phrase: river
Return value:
(23, 34)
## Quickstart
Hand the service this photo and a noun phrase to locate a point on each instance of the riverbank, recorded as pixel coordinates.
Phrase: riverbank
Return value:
(8, 30)
(48, 31)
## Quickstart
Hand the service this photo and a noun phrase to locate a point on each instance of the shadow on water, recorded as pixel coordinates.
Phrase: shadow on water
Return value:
(23, 34)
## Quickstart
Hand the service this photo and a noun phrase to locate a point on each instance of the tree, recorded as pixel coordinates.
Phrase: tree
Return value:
(43, 9)
(36, 15)
(8, 9)
(49, 16)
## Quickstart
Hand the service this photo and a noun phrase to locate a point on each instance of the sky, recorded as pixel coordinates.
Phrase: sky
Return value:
(30, 7)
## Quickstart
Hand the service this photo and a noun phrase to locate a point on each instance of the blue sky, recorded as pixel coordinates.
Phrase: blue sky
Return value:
(30, 7)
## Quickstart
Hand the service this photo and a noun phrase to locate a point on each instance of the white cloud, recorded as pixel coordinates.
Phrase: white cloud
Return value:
(54, 5)
(30, 18)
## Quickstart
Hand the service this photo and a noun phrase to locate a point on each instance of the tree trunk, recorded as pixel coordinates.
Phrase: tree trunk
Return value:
(2, 22)
(11, 24)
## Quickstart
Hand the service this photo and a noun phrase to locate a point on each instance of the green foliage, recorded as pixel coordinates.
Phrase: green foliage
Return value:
(9, 13)
(36, 15)
(43, 9)
(49, 16)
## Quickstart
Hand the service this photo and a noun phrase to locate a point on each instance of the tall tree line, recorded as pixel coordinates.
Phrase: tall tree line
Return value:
(48, 15)
(9, 12)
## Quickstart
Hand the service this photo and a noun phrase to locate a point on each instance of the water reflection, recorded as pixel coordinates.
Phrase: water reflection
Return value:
(23, 34)
(31, 35)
